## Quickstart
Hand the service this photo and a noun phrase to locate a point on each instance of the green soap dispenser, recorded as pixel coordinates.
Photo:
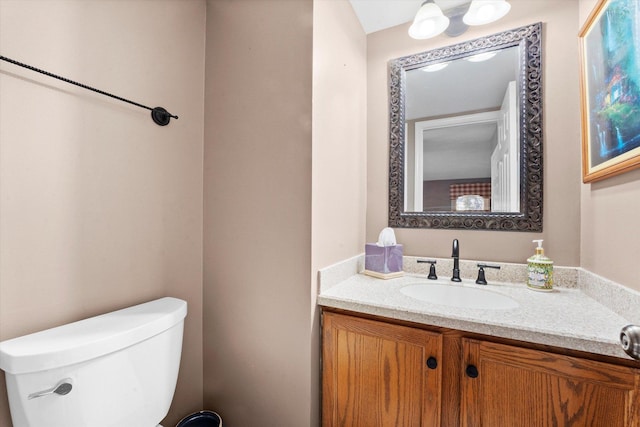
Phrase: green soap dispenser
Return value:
(540, 270)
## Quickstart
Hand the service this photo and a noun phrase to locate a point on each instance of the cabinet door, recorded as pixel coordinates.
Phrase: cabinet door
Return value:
(512, 386)
(377, 374)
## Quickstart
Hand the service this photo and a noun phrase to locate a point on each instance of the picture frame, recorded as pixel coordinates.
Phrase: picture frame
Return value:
(610, 89)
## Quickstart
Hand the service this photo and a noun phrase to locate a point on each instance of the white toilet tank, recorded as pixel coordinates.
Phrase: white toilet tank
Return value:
(115, 370)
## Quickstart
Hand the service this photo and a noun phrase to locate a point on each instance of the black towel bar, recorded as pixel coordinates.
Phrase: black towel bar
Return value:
(159, 115)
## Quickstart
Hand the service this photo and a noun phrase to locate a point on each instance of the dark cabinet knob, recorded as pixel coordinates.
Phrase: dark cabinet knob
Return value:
(472, 371)
(432, 363)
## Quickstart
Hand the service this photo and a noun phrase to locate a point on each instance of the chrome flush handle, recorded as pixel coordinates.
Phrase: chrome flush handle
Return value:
(63, 387)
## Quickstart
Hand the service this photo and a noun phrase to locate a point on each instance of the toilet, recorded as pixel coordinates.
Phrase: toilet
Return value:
(114, 370)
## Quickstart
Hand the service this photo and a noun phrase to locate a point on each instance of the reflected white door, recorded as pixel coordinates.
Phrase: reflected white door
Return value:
(505, 159)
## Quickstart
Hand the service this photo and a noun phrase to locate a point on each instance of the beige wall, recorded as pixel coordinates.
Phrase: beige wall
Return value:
(561, 144)
(257, 222)
(609, 234)
(339, 186)
(100, 208)
(339, 132)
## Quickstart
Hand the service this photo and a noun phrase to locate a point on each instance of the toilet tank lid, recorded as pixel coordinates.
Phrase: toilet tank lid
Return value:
(90, 338)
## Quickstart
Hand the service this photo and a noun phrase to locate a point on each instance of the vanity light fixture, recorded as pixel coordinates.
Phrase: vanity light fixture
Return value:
(431, 21)
(485, 11)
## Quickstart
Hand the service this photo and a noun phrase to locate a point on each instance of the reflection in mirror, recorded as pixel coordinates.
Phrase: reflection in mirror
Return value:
(466, 151)
(466, 135)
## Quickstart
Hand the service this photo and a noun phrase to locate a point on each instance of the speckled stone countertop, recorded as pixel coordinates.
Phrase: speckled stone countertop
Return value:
(568, 317)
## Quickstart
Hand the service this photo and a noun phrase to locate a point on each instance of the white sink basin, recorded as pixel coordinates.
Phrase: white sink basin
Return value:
(456, 295)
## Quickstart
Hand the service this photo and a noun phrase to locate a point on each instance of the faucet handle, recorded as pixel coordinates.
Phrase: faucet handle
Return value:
(432, 270)
(481, 279)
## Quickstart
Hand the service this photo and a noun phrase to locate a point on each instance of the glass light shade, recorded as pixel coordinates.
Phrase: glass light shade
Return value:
(429, 21)
(485, 11)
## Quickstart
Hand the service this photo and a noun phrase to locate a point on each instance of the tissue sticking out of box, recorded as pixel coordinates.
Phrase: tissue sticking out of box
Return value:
(383, 259)
(387, 237)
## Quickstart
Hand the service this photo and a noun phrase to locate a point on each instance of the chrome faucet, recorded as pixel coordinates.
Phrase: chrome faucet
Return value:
(456, 261)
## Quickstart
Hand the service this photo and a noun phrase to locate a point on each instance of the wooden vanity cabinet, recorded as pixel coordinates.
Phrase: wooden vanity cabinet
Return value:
(514, 386)
(379, 373)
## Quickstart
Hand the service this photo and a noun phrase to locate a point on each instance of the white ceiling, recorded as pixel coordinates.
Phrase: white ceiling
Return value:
(376, 15)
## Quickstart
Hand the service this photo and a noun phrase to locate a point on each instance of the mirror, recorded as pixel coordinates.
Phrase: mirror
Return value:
(466, 135)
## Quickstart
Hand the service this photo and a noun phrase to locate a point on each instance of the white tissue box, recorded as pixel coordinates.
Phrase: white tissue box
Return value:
(383, 261)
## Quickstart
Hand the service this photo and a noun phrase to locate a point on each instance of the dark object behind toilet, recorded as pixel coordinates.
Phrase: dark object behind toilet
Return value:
(201, 419)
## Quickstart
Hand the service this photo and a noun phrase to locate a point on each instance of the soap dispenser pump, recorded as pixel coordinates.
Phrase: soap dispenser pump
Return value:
(540, 270)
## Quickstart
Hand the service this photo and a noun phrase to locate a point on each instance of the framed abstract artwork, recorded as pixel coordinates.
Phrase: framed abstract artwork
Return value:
(610, 89)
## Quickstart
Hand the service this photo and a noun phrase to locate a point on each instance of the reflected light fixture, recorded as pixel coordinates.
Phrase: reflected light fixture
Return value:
(485, 11)
(481, 57)
(429, 21)
(435, 67)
